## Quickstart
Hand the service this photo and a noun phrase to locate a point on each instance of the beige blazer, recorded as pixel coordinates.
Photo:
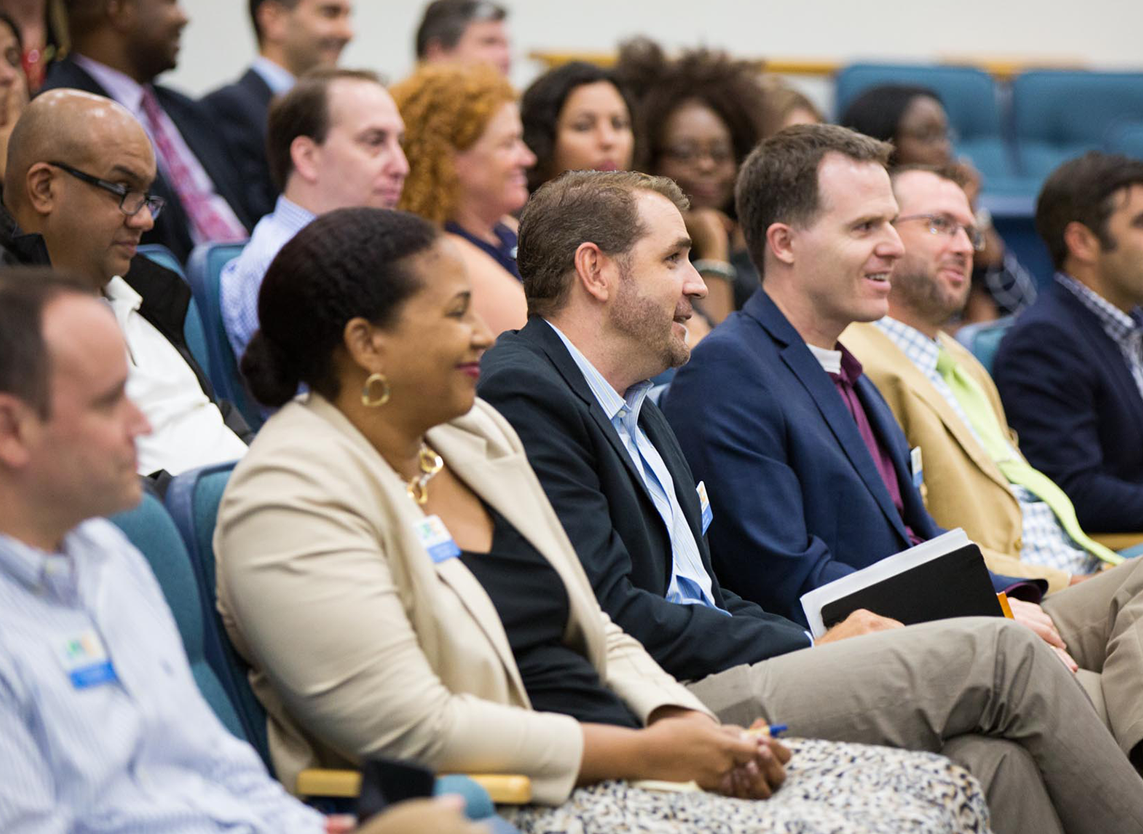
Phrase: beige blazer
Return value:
(361, 645)
(963, 486)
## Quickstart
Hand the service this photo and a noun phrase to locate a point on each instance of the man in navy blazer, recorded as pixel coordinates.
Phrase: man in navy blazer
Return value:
(808, 471)
(610, 287)
(118, 49)
(294, 36)
(1070, 371)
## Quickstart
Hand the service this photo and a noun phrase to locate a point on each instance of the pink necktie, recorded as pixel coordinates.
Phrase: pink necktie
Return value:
(209, 223)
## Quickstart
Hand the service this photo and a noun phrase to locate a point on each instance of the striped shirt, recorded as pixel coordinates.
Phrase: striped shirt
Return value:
(1123, 329)
(102, 728)
(690, 583)
(241, 279)
(1045, 540)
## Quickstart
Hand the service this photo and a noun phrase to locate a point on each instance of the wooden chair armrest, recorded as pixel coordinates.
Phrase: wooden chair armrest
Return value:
(503, 788)
(1119, 541)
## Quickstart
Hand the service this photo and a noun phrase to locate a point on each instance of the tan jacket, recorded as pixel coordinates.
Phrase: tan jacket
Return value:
(963, 486)
(361, 645)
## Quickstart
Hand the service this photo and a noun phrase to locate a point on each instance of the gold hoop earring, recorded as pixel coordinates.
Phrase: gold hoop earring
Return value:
(367, 398)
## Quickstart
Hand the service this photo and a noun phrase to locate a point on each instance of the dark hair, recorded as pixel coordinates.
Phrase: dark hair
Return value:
(577, 207)
(778, 182)
(255, 4)
(7, 20)
(542, 103)
(303, 111)
(732, 89)
(878, 111)
(1083, 190)
(347, 263)
(25, 361)
(445, 21)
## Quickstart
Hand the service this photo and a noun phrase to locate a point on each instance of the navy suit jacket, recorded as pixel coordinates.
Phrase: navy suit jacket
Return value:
(239, 111)
(797, 499)
(600, 498)
(1070, 396)
(172, 229)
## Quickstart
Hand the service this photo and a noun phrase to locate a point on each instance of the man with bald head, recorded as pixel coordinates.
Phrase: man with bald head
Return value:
(76, 195)
(118, 48)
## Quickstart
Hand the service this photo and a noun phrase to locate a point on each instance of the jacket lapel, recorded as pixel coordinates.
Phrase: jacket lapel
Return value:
(797, 357)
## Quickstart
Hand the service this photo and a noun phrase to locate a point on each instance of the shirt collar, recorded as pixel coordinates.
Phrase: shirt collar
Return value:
(917, 347)
(120, 293)
(37, 569)
(119, 86)
(1116, 323)
(291, 216)
(626, 406)
(279, 79)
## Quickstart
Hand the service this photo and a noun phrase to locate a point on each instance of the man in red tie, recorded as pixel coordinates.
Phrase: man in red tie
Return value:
(118, 48)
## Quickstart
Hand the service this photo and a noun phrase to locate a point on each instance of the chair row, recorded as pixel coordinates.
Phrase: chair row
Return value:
(1017, 133)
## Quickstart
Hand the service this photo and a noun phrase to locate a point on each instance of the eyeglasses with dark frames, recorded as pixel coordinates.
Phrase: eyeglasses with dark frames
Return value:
(940, 224)
(131, 201)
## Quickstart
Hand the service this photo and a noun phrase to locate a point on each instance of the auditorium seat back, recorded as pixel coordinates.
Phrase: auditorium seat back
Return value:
(193, 330)
(983, 339)
(151, 529)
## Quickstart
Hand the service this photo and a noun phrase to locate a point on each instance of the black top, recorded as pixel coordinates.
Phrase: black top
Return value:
(504, 254)
(533, 606)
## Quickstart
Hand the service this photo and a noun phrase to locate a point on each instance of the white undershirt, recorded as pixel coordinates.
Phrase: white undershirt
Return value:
(187, 429)
(830, 360)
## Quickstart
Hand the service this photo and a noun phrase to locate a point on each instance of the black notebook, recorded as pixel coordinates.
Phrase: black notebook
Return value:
(943, 577)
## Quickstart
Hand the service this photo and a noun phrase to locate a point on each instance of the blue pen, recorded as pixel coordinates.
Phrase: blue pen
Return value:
(777, 730)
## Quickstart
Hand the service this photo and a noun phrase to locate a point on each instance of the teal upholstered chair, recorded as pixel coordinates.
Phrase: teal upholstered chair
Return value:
(204, 269)
(193, 330)
(983, 339)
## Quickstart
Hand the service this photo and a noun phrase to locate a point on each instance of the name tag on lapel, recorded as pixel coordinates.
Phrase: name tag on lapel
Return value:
(916, 467)
(85, 660)
(436, 539)
(704, 503)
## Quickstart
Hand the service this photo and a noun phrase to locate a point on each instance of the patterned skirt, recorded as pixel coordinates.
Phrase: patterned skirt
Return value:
(830, 788)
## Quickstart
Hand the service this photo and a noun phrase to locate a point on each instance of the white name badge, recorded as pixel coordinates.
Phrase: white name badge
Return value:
(704, 503)
(85, 661)
(915, 465)
(436, 539)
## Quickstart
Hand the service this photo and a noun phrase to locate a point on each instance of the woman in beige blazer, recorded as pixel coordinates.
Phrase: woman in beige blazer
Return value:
(341, 582)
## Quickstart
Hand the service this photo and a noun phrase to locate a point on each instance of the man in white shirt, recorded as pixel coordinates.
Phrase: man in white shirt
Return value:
(334, 142)
(294, 37)
(79, 171)
(101, 725)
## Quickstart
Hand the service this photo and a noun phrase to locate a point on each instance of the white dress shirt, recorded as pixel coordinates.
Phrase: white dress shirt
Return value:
(187, 429)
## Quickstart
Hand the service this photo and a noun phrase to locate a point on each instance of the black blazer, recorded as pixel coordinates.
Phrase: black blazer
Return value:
(1070, 396)
(239, 113)
(172, 229)
(530, 377)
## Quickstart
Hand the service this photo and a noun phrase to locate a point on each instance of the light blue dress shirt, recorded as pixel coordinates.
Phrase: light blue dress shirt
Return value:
(279, 79)
(241, 279)
(690, 583)
(1123, 329)
(139, 752)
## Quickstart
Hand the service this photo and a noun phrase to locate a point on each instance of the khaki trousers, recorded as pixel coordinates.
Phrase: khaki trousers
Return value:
(1101, 620)
(987, 692)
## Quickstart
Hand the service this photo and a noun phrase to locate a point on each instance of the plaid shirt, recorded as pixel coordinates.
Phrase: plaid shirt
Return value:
(1126, 330)
(1045, 540)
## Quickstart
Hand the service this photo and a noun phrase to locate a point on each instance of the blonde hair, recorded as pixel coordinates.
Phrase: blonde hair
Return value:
(445, 108)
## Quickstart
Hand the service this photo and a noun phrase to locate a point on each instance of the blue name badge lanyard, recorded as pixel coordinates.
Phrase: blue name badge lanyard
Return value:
(704, 503)
(85, 660)
(436, 539)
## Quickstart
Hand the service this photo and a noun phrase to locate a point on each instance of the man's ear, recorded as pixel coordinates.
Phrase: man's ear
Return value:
(304, 152)
(434, 51)
(17, 423)
(780, 242)
(595, 271)
(270, 15)
(1083, 244)
(120, 13)
(41, 186)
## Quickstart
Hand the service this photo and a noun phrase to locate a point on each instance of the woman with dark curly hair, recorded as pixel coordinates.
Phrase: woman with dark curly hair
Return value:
(576, 118)
(697, 117)
(913, 118)
(468, 173)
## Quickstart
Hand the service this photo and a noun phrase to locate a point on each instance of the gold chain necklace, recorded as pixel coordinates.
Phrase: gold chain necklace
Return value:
(430, 463)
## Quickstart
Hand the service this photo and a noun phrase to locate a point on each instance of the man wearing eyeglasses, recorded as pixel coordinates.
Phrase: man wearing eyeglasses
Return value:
(974, 474)
(77, 196)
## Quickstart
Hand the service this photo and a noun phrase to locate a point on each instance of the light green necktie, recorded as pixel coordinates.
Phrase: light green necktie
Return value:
(979, 411)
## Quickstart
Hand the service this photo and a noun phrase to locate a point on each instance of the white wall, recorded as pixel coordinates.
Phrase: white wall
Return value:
(1101, 33)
